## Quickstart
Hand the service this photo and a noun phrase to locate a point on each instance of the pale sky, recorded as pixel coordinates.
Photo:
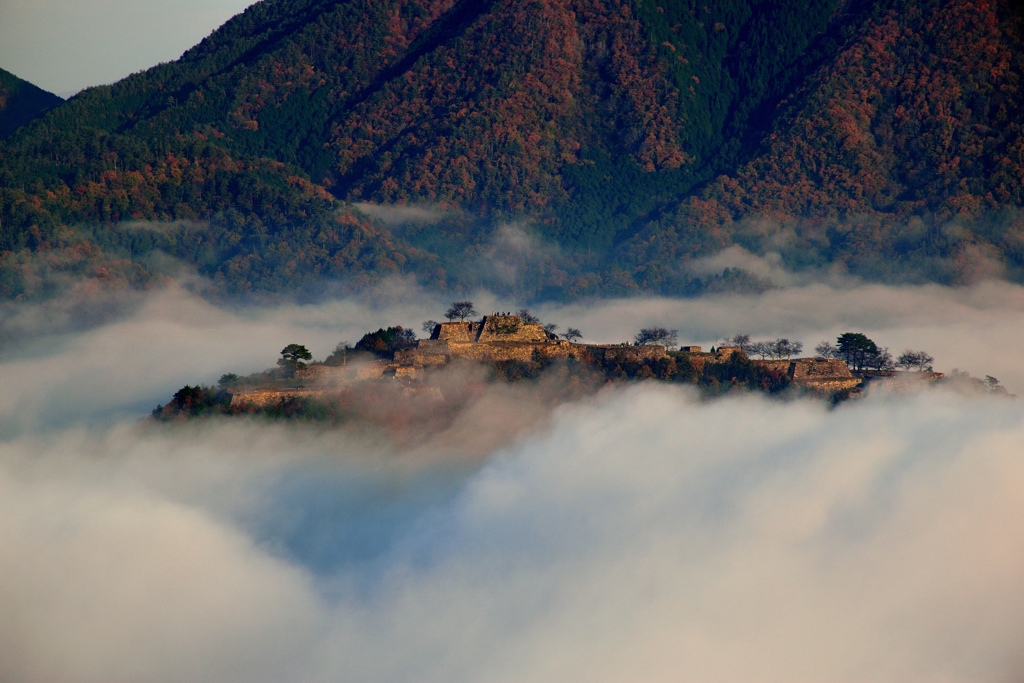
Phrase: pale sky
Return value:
(66, 45)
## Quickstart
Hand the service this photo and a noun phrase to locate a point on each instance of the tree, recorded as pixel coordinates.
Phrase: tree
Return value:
(780, 348)
(856, 349)
(340, 355)
(826, 350)
(386, 342)
(572, 334)
(293, 358)
(527, 317)
(915, 359)
(881, 359)
(784, 348)
(460, 310)
(743, 341)
(428, 327)
(762, 348)
(550, 328)
(657, 335)
(227, 380)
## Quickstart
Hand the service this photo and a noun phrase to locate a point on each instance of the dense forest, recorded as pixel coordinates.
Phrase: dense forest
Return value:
(21, 103)
(597, 147)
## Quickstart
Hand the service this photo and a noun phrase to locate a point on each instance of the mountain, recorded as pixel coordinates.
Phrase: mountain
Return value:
(903, 156)
(21, 102)
(628, 136)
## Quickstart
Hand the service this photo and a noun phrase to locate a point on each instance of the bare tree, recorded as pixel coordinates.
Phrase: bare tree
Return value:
(572, 334)
(527, 317)
(761, 348)
(340, 354)
(460, 310)
(826, 350)
(657, 335)
(550, 328)
(881, 359)
(743, 341)
(915, 359)
(428, 326)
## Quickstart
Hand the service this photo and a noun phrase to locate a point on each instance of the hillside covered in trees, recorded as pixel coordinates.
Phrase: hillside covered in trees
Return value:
(622, 138)
(21, 103)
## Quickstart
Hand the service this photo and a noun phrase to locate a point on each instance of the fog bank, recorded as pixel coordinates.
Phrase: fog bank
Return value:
(643, 536)
(639, 534)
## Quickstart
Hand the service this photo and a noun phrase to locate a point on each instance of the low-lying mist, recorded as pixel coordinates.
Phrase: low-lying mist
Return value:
(635, 534)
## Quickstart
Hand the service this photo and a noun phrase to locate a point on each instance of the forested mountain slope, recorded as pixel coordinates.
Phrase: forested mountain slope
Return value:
(21, 102)
(903, 154)
(633, 134)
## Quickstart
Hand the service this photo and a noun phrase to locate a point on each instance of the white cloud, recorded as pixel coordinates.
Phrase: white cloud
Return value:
(642, 537)
(768, 266)
(639, 535)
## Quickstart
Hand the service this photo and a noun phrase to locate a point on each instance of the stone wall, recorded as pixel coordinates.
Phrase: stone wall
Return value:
(456, 332)
(514, 351)
(493, 328)
(353, 372)
(818, 376)
(623, 352)
(829, 387)
(511, 328)
(817, 368)
(722, 355)
(260, 398)
(809, 369)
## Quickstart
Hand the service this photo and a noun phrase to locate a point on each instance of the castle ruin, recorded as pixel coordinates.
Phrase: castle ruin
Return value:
(506, 337)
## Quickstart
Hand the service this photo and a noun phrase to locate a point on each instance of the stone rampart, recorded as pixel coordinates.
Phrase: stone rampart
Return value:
(820, 376)
(623, 352)
(261, 398)
(353, 372)
(511, 328)
(810, 369)
(722, 355)
(783, 366)
(493, 328)
(514, 351)
(456, 332)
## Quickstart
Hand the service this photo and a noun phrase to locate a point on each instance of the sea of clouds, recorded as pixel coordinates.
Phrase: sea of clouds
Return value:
(640, 534)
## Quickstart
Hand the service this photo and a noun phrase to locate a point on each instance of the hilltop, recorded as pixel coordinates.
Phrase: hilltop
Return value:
(389, 378)
(629, 136)
(21, 103)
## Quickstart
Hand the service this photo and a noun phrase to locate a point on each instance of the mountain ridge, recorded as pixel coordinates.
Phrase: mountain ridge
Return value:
(631, 135)
(21, 102)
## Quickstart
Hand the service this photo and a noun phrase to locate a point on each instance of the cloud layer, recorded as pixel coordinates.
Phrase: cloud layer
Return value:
(637, 535)
(641, 537)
